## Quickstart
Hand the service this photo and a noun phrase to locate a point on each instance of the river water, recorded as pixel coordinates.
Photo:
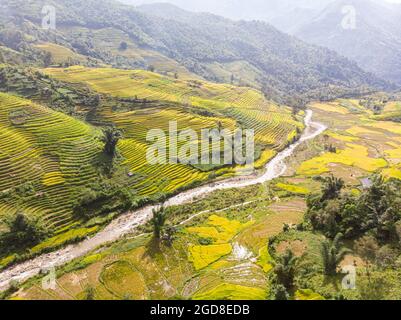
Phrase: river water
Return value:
(127, 222)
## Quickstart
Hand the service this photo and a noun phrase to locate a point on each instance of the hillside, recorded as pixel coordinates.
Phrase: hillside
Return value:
(375, 43)
(46, 159)
(58, 172)
(218, 49)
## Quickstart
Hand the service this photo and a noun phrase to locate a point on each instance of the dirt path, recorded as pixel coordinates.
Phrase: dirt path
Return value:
(127, 223)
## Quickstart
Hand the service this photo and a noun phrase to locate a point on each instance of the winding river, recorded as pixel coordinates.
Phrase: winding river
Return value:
(126, 223)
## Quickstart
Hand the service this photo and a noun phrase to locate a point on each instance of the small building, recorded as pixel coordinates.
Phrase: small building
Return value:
(366, 183)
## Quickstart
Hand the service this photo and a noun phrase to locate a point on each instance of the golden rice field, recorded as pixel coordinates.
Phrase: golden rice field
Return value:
(364, 145)
(56, 155)
(153, 86)
(140, 268)
(47, 150)
(274, 125)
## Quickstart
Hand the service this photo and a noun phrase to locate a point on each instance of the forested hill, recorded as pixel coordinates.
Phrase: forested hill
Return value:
(218, 49)
(374, 42)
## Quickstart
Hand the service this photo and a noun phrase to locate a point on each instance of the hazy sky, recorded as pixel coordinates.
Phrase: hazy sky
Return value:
(192, 3)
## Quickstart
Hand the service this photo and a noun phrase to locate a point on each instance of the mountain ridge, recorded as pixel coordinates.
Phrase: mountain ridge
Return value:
(283, 66)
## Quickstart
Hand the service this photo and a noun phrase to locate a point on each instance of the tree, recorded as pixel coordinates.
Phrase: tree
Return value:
(151, 68)
(285, 269)
(158, 221)
(168, 236)
(89, 293)
(332, 187)
(279, 292)
(123, 46)
(47, 59)
(111, 136)
(381, 203)
(332, 254)
(23, 232)
(220, 126)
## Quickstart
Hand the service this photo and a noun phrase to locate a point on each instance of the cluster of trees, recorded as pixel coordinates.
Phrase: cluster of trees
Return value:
(373, 104)
(101, 199)
(111, 136)
(377, 210)
(372, 219)
(287, 266)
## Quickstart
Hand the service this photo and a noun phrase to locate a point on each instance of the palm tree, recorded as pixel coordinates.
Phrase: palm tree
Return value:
(331, 188)
(332, 254)
(285, 269)
(158, 221)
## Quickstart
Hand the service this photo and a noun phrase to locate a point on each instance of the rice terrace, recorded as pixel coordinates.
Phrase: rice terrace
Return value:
(152, 152)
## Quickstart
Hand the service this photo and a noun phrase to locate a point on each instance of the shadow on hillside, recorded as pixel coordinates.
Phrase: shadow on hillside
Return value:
(153, 248)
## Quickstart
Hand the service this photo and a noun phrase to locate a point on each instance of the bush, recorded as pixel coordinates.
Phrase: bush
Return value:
(205, 241)
(101, 200)
(23, 232)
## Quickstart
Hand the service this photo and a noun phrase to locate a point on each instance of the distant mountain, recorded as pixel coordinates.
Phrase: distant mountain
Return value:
(246, 38)
(374, 43)
(265, 10)
(218, 49)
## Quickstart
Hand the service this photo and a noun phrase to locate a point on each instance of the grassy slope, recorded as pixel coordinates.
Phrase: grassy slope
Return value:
(61, 54)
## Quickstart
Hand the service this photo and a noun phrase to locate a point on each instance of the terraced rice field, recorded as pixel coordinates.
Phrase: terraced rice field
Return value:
(47, 158)
(61, 54)
(48, 151)
(232, 266)
(274, 125)
(365, 144)
(153, 86)
(391, 110)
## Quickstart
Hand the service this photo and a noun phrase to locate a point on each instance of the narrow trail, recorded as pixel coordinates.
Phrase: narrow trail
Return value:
(127, 222)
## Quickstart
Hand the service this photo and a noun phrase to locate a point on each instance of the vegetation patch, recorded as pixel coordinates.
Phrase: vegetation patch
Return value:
(292, 188)
(265, 260)
(70, 236)
(123, 281)
(307, 294)
(202, 256)
(228, 291)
